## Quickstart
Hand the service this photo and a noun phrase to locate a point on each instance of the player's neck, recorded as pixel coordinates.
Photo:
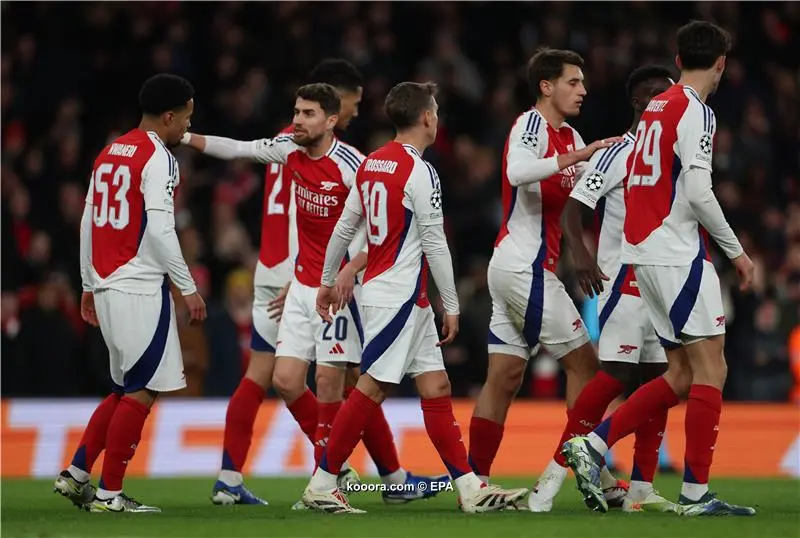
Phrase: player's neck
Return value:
(148, 124)
(412, 139)
(699, 81)
(554, 118)
(317, 150)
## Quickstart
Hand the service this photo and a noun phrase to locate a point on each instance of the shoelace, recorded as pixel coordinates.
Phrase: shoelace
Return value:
(130, 499)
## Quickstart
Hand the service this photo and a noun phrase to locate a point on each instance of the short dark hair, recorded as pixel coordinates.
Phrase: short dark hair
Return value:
(701, 43)
(164, 93)
(338, 73)
(643, 74)
(324, 94)
(406, 101)
(548, 64)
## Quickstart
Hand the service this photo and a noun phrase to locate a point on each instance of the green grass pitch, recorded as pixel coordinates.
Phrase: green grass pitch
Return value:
(30, 509)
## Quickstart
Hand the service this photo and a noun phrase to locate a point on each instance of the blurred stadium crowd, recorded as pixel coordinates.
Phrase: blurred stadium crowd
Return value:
(71, 72)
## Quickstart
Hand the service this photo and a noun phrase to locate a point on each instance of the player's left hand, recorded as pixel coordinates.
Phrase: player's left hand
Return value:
(326, 301)
(88, 312)
(345, 282)
(275, 306)
(449, 329)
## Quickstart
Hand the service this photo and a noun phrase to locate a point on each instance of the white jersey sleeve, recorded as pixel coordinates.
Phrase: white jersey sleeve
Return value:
(160, 178)
(604, 171)
(423, 193)
(527, 145)
(265, 150)
(345, 230)
(696, 131)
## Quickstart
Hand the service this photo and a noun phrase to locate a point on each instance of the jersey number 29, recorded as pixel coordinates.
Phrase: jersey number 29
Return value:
(106, 212)
(646, 167)
(374, 197)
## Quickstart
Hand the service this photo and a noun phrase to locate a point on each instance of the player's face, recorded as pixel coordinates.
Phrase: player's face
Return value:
(178, 122)
(568, 91)
(349, 109)
(310, 122)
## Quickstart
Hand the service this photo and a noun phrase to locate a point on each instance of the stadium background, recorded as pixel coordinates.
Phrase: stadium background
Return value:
(71, 73)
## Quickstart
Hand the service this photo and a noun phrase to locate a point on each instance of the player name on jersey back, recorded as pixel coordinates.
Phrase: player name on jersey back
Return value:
(133, 174)
(675, 133)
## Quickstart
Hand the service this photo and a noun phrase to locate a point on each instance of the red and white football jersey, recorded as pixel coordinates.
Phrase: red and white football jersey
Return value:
(321, 187)
(134, 173)
(275, 253)
(602, 185)
(531, 230)
(397, 191)
(676, 132)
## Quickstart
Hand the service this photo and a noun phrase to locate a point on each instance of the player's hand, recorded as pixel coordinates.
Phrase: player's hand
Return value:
(88, 313)
(590, 276)
(327, 301)
(745, 269)
(345, 282)
(197, 308)
(449, 329)
(586, 153)
(275, 306)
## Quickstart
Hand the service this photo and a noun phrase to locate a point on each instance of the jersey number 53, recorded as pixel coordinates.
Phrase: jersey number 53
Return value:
(114, 212)
(646, 168)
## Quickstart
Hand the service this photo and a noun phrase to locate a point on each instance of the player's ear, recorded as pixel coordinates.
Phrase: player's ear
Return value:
(333, 119)
(546, 87)
(720, 64)
(168, 117)
(678, 62)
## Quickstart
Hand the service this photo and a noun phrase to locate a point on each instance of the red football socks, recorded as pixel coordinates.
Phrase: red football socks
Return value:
(379, 442)
(445, 435)
(485, 437)
(645, 449)
(93, 440)
(647, 402)
(124, 433)
(350, 421)
(305, 411)
(589, 408)
(702, 428)
(239, 420)
(327, 414)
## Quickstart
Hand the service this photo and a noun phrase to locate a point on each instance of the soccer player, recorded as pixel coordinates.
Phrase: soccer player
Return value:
(670, 207)
(128, 248)
(322, 169)
(529, 303)
(273, 272)
(398, 196)
(629, 349)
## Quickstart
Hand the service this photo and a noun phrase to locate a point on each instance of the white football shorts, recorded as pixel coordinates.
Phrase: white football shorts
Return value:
(400, 341)
(684, 302)
(532, 307)
(141, 333)
(303, 334)
(264, 331)
(626, 332)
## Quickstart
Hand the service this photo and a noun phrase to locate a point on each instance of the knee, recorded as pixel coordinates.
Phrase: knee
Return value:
(679, 377)
(330, 383)
(435, 387)
(287, 384)
(506, 381)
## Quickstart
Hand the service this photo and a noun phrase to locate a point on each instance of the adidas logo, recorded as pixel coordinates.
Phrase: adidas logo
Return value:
(337, 349)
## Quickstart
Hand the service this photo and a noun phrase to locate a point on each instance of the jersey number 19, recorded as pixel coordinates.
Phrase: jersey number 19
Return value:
(374, 197)
(115, 213)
